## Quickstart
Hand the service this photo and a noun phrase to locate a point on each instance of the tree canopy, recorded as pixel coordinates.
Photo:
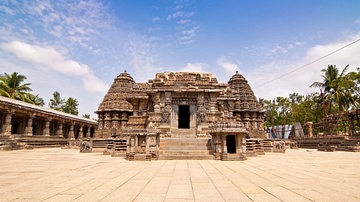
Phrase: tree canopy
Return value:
(13, 86)
(69, 106)
(56, 102)
(339, 91)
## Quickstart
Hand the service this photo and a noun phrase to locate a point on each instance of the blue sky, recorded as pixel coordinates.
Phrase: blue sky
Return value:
(79, 47)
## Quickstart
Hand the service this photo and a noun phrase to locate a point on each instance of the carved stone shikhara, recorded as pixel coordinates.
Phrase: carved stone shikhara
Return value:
(184, 105)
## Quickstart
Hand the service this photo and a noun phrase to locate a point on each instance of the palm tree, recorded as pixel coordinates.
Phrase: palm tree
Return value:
(35, 99)
(70, 106)
(337, 88)
(57, 102)
(12, 86)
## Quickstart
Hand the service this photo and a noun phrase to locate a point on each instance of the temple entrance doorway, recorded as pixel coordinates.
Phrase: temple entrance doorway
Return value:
(184, 116)
(231, 144)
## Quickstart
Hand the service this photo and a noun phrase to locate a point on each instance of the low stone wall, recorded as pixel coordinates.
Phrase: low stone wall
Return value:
(331, 143)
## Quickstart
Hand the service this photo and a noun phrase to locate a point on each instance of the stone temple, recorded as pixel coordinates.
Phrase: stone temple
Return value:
(180, 115)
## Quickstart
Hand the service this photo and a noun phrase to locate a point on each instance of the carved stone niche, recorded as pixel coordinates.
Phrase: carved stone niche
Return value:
(167, 96)
(201, 114)
(166, 112)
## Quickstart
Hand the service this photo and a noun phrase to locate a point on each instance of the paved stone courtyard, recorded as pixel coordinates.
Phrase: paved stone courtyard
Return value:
(67, 175)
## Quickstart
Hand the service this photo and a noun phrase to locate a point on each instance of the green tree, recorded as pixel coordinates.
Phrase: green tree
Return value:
(306, 108)
(70, 106)
(13, 86)
(56, 102)
(338, 89)
(35, 99)
(354, 84)
(87, 116)
(277, 111)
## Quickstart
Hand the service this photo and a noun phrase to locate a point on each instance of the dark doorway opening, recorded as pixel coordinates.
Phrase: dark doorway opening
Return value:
(184, 116)
(231, 144)
(15, 127)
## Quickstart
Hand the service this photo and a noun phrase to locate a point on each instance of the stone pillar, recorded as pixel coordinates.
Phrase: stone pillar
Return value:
(310, 125)
(71, 132)
(240, 144)
(29, 127)
(60, 130)
(46, 131)
(6, 129)
(174, 116)
(81, 135)
(224, 154)
(224, 143)
(132, 145)
(193, 110)
(352, 130)
(88, 132)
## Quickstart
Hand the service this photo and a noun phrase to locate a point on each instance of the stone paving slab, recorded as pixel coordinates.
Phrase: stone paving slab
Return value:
(56, 174)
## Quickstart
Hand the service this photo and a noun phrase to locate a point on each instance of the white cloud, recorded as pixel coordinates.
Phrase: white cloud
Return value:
(179, 14)
(7, 10)
(357, 21)
(265, 78)
(142, 57)
(230, 68)
(194, 67)
(183, 21)
(188, 35)
(153, 29)
(155, 19)
(48, 57)
(175, 15)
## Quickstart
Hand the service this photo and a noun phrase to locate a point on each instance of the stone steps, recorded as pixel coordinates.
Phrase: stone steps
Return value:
(185, 148)
(184, 152)
(201, 147)
(183, 133)
(186, 157)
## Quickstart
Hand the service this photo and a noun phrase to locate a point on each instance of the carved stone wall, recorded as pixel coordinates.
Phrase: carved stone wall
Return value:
(158, 102)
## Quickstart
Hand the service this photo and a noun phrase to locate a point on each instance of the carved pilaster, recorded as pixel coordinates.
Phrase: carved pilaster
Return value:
(107, 121)
(101, 122)
(115, 121)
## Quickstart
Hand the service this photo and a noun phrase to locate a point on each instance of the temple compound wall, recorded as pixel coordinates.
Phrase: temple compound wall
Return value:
(164, 117)
(22, 120)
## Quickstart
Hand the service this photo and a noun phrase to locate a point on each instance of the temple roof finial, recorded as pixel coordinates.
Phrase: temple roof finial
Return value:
(125, 71)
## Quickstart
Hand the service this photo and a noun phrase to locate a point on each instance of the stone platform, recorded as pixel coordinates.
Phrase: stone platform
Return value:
(55, 174)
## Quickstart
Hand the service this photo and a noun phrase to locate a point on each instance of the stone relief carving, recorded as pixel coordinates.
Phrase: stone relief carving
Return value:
(158, 101)
(166, 111)
(201, 114)
(184, 101)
